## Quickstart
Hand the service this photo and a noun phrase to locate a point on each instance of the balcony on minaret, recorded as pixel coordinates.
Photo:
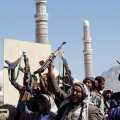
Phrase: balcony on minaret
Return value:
(41, 16)
(87, 52)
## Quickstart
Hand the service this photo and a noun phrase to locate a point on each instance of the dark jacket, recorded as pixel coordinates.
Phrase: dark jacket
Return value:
(51, 109)
(114, 110)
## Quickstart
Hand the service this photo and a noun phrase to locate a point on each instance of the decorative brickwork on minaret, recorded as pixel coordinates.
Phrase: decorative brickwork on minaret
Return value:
(41, 18)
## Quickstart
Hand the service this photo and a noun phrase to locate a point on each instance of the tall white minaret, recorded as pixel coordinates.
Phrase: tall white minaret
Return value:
(41, 18)
(87, 50)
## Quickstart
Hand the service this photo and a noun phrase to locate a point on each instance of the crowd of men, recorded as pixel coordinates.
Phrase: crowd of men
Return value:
(46, 100)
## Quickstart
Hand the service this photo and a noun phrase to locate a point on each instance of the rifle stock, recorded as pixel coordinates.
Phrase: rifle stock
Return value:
(12, 65)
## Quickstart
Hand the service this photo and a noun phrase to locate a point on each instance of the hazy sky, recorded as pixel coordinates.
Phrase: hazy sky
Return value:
(66, 19)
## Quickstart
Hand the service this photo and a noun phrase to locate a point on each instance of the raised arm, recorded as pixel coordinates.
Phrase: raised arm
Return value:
(24, 97)
(52, 83)
(13, 81)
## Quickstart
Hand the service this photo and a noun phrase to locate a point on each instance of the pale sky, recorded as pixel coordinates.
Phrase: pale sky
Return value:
(66, 19)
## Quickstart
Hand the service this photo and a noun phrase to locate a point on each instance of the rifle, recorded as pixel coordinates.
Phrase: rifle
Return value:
(13, 65)
(48, 61)
(67, 77)
(27, 73)
(68, 72)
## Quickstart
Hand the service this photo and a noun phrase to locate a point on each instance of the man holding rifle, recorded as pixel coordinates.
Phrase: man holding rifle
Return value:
(76, 106)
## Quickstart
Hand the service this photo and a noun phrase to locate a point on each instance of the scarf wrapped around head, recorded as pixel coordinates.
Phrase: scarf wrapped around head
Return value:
(84, 88)
(94, 82)
(51, 106)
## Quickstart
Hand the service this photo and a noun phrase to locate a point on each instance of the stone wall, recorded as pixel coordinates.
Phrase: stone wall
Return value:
(12, 51)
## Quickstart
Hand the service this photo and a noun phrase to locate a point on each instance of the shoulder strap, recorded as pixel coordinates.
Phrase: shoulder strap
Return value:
(80, 116)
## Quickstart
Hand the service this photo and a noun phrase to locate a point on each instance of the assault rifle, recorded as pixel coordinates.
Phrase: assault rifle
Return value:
(26, 62)
(48, 61)
(68, 72)
(27, 79)
(67, 77)
(13, 65)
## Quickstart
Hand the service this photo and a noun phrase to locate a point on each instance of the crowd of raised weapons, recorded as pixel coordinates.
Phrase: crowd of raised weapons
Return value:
(27, 72)
(65, 81)
(37, 86)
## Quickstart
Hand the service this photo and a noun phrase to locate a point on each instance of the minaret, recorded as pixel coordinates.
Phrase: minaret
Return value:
(41, 18)
(87, 50)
